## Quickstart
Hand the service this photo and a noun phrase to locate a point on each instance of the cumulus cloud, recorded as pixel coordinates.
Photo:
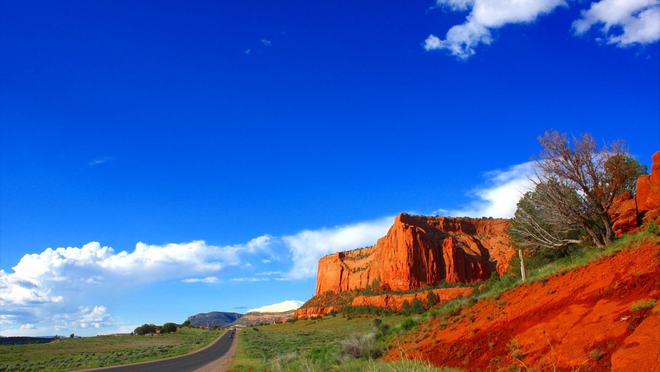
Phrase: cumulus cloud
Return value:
(623, 22)
(484, 16)
(58, 280)
(279, 307)
(307, 246)
(500, 193)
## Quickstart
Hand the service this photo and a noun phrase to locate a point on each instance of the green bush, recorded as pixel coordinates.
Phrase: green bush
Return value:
(168, 328)
(145, 329)
(432, 299)
(642, 305)
(408, 324)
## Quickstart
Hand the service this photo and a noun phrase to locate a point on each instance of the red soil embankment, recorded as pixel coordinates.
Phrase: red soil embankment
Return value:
(579, 320)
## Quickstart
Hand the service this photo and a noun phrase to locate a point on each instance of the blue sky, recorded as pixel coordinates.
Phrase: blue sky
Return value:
(239, 141)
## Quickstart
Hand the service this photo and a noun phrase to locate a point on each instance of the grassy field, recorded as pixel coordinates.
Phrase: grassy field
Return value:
(88, 352)
(312, 345)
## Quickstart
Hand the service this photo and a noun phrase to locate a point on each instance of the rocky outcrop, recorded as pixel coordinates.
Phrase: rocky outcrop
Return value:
(623, 213)
(395, 301)
(419, 251)
(648, 192)
(628, 213)
(314, 312)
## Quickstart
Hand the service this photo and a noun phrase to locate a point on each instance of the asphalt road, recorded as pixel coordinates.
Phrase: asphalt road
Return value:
(183, 363)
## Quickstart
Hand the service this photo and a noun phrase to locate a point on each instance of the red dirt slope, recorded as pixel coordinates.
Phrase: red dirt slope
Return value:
(580, 320)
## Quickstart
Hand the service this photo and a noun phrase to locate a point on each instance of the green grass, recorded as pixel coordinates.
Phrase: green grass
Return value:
(398, 366)
(642, 305)
(305, 345)
(99, 351)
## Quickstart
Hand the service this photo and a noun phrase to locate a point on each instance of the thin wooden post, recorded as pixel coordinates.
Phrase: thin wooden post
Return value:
(523, 272)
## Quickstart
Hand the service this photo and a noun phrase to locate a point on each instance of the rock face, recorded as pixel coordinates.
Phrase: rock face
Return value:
(623, 213)
(648, 192)
(628, 213)
(314, 312)
(419, 251)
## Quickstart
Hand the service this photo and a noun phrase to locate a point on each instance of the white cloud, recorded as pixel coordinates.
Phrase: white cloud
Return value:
(37, 276)
(624, 22)
(279, 307)
(95, 317)
(7, 318)
(270, 273)
(499, 196)
(455, 4)
(27, 326)
(307, 246)
(485, 15)
(249, 279)
(207, 280)
(58, 281)
(266, 42)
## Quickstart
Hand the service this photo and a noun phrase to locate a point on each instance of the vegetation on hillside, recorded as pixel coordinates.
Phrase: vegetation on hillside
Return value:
(331, 343)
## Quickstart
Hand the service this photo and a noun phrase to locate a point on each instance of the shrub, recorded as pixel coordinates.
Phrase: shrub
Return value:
(145, 329)
(417, 306)
(432, 299)
(515, 349)
(642, 305)
(405, 308)
(596, 354)
(408, 324)
(168, 328)
(359, 346)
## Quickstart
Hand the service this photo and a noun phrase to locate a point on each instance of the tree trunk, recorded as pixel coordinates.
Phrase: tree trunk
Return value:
(523, 271)
(595, 237)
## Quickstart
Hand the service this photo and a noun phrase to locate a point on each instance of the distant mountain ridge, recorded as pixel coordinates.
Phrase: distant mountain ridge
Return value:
(214, 319)
(261, 318)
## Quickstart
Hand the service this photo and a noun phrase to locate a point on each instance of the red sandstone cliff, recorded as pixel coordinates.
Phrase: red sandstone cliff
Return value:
(419, 251)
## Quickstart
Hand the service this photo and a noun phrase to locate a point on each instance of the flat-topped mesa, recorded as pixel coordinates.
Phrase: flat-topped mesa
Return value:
(419, 251)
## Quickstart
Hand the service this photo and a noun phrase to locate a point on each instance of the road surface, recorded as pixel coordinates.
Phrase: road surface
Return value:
(209, 356)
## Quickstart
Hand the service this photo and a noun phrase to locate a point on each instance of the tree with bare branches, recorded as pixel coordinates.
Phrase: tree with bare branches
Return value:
(575, 185)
